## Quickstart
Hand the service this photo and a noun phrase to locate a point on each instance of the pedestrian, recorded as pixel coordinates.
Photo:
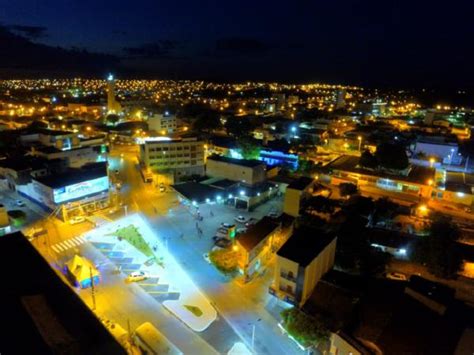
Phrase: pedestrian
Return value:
(212, 214)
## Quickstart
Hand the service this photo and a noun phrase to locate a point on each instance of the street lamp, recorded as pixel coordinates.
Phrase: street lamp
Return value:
(253, 333)
(432, 161)
(359, 138)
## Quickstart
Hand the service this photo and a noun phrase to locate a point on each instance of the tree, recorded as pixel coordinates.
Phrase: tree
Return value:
(239, 127)
(207, 121)
(439, 250)
(225, 260)
(384, 208)
(391, 156)
(307, 330)
(249, 149)
(347, 189)
(112, 119)
(368, 160)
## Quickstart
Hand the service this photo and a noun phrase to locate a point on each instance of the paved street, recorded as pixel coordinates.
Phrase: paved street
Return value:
(242, 306)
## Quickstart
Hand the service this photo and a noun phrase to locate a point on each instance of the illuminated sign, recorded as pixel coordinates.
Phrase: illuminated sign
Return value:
(81, 189)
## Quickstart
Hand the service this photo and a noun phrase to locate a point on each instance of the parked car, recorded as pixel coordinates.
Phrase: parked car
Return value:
(273, 215)
(241, 230)
(240, 219)
(76, 220)
(223, 243)
(162, 188)
(251, 222)
(396, 276)
(137, 276)
(20, 203)
(206, 257)
(150, 262)
(227, 225)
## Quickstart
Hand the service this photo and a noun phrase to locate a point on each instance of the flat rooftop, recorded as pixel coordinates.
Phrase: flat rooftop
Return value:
(301, 183)
(45, 315)
(417, 174)
(74, 176)
(258, 232)
(305, 245)
(195, 191)
(249, 163)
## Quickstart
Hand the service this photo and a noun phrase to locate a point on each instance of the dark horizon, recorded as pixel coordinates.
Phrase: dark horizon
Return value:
(390, 45)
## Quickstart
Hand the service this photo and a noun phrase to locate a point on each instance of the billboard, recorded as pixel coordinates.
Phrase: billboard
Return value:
(81, 189)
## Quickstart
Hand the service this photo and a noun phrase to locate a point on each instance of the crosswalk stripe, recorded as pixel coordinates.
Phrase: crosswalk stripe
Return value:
(80, 239)
(55, 249)
(58, 246)
(68, 243)
(75, 242)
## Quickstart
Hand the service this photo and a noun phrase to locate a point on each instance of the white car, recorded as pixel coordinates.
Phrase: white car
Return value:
(206, 257)
(76, 220)
(137, 276)
(240, 219)
(396, 276)
(20, 203)
(241, 230)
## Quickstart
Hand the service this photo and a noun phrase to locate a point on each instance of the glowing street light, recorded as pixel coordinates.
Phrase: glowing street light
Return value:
(359, 138)
(432, 161)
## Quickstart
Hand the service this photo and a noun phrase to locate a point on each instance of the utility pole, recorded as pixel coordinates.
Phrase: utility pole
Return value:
(92, 289)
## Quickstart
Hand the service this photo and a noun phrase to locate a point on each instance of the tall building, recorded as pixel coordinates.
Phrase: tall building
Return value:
(340, 99)
(300, 264)
(177, 157)
(113, 106)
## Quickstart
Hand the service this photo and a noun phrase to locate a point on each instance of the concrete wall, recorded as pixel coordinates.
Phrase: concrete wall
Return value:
(292, 201)
(235, 172)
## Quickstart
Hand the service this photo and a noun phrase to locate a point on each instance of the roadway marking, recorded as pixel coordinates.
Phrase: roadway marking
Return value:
(68, 244)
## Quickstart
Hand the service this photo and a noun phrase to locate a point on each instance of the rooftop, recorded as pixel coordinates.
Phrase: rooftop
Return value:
(258, 232)
(250, 163)
(300, 183)
(50, 317)
(74, 176)
(417, 174)
(195, 191)
(305, 245)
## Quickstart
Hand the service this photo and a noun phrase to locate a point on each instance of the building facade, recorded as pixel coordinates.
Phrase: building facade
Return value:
(301, 262)
(249, 172)
(178, 157)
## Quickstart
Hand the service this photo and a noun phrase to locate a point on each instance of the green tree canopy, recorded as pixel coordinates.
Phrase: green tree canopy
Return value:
(239, 126)
(391, 156)
(307, 330)
(439, 250)
(207, 121)
(368, 160)
(249, 148)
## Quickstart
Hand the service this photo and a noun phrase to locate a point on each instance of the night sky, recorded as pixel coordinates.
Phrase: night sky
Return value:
(379, 43)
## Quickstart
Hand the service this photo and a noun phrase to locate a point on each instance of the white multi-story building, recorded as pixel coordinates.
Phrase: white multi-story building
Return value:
(178, 156)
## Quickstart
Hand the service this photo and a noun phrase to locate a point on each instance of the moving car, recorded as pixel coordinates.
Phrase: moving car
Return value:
(76, 220)
(20, 203)
(396, 276)
(240, 219)
(137, 276)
